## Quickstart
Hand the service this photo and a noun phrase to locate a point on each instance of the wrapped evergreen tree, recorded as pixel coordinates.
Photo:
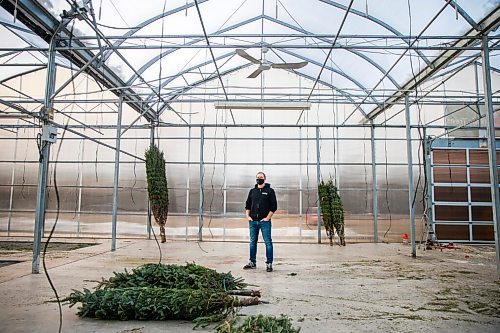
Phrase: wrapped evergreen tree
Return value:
(332, 210)
(157, 187)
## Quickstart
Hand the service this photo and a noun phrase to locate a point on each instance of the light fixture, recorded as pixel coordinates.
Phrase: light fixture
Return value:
(259, 105)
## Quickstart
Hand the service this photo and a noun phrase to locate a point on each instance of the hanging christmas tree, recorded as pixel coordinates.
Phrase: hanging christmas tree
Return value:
(157, 187)
(332, 210)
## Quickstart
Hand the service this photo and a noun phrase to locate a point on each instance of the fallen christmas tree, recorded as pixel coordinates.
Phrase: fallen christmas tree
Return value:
(189, 276)
(146, 303)
(161, 292)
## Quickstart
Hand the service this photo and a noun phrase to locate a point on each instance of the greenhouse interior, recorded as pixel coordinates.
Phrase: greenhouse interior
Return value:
(394, 104)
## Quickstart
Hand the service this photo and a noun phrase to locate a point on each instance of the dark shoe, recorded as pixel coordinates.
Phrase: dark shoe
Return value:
(250, 265)
(269, 267)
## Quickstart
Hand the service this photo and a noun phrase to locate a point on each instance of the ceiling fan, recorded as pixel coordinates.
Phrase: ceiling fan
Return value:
(265, 65)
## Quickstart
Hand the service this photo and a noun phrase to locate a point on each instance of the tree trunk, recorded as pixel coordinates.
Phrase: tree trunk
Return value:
(162, 233)
(246, 301)
(245, 292)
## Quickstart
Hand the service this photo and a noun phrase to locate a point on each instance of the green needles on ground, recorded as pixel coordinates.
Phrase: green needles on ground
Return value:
(258, 323)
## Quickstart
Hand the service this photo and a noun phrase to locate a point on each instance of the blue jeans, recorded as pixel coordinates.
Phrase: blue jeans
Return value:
(265, 227)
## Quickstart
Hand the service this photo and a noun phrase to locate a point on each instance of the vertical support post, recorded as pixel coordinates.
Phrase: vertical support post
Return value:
(478, 110)
(410, 176)
(301, 189)
(224, 186)
(151, 142)
(374, 184)
(490, 129)
(13, 177)
(117, 173)
(202, 175)
(188, 178)
(318, 180)
(43, 168)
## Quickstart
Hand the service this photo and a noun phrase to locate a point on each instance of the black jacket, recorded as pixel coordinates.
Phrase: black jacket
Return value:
(261, 201)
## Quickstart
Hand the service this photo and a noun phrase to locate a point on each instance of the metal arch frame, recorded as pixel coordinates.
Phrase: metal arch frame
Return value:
(37, 18)
(29, 71)
(329, 2)
(197, 83)
(314, 62)
(329, 85)
(373, 63)
(212, 77)
(147, 22)
(33, 10)
(180, 74)
(377, 21)
(487, 24)
(240, 24)
(256, 18)
(167, 52)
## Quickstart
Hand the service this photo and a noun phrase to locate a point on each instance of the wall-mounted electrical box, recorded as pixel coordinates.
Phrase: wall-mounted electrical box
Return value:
(49, 133)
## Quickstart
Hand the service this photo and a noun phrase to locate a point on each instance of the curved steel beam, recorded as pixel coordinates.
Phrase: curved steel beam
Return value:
(22, 73)
(213, 77)
(170, 79)
(132, 31)
(358, 84)
(271, 19)
(177, 94)
(377, 21)
(343, 93)
(167, 52)
(197, 83)
(314, 62)
(359, 54)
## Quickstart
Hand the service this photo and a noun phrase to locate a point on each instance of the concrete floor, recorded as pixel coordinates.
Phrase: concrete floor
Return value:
(357, 288)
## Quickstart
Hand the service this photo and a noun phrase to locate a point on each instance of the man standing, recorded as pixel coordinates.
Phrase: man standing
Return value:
(260, 207)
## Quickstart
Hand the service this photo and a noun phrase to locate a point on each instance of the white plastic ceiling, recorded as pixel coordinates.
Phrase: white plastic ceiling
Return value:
(375, 34)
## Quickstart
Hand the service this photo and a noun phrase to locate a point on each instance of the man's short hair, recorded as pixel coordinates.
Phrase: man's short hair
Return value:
(261, 173)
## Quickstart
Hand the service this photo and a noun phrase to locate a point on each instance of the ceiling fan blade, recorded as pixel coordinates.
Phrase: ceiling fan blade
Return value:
(290, 65)
(242, 53)
(255, 73)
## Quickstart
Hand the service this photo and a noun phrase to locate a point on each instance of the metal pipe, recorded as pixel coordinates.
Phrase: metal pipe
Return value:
(374, 186)
(318, 180)
(116, 175)
(410, 177)
(44, 151)
(13, 177)
(490, 125)
(202, 175)
(149, 219)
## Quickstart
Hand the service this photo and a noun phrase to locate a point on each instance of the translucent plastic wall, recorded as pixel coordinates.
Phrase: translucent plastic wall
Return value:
(211, 165)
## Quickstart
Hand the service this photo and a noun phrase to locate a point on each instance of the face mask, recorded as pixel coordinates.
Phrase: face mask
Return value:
(260, 181)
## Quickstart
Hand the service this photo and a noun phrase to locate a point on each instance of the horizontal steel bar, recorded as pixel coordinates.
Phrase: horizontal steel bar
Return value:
(209, 163)
(278, 35)
(249, 46)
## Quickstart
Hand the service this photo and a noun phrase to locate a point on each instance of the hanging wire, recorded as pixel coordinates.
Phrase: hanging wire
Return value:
(421, 139)
(135, 173)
